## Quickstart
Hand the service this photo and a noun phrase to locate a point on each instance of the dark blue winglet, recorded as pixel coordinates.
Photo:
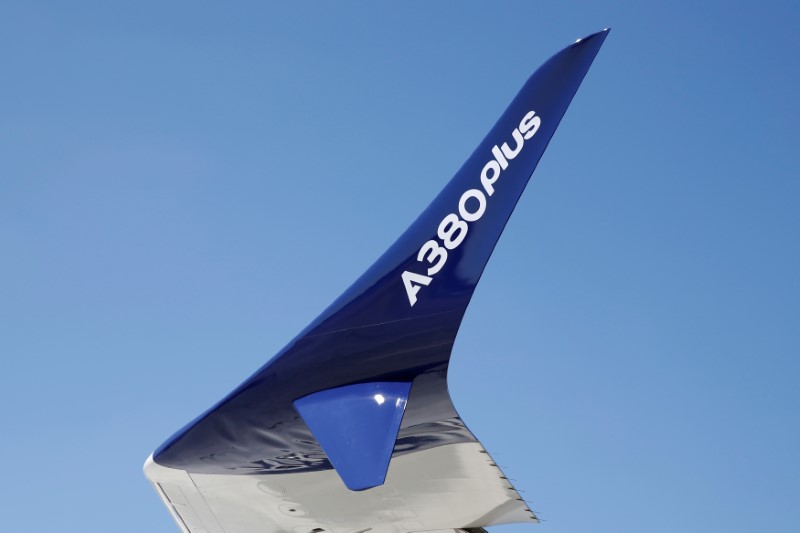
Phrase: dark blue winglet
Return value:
(398, 321)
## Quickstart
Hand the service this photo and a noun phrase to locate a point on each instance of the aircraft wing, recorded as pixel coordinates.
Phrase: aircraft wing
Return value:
(350, 428)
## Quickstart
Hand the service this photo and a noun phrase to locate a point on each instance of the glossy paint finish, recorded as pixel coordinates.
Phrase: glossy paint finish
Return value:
(357, 427)
(371, 333)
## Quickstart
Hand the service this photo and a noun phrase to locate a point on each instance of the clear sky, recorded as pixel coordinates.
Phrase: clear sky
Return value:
(185, 185)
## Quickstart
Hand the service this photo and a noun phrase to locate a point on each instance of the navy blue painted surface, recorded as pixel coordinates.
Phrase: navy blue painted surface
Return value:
(372, 333)
(357, 427)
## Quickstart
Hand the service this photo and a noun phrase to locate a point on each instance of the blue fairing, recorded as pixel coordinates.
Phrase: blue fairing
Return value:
(357, 427)
(398, 321)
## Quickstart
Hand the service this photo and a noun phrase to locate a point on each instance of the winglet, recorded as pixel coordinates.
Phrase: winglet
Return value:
(398, 321)
(357, 427)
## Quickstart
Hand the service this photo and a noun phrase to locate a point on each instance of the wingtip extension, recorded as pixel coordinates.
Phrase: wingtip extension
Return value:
(602, 33)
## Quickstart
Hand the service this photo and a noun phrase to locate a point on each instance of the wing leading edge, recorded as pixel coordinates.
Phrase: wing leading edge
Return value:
(393, 328)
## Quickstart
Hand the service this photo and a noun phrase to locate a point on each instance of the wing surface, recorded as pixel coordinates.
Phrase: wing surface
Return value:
(350, 427)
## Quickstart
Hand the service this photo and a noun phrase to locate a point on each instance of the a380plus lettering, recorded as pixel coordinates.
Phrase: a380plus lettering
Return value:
(454, 227)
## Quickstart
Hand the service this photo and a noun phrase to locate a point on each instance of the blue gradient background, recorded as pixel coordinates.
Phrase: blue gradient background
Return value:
(184, 186)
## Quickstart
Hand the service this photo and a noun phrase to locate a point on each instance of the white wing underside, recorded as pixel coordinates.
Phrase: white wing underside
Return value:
(448, 487)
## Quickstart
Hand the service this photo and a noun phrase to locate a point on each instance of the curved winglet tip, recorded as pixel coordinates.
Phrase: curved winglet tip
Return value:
(602, 33)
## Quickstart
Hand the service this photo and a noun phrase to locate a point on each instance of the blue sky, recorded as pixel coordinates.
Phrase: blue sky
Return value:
(184, 186)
